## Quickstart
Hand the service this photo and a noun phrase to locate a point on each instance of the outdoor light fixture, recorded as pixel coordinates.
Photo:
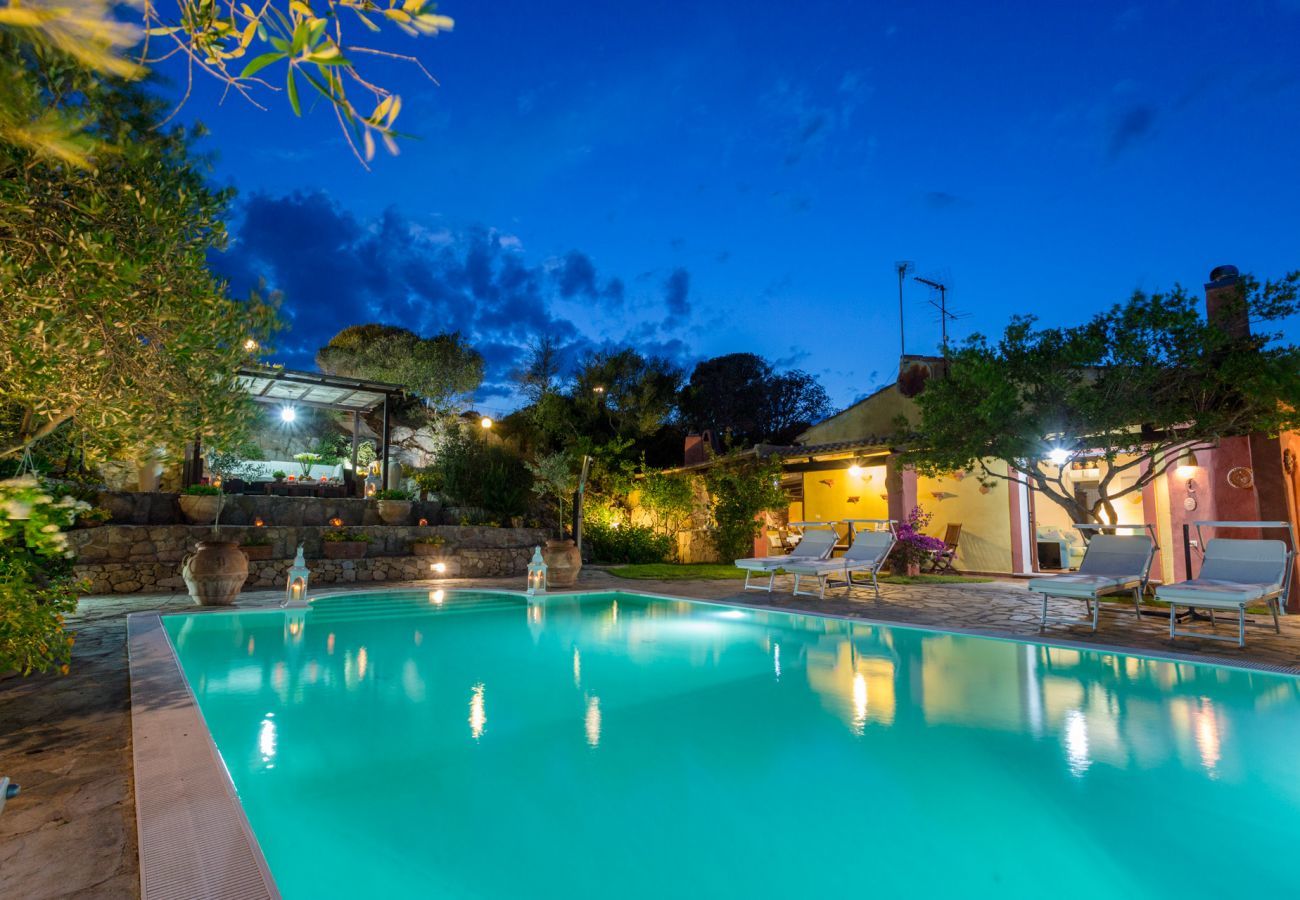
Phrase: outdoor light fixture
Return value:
(1058, 456)
(439, 568)
(855, 471)
(537, 573)
(250, 345)
(1186, 465)
(336, 522)
(288, 414)
(598, 389)
(423, 522)
(258, 523)
(295, 587)
(485, 422)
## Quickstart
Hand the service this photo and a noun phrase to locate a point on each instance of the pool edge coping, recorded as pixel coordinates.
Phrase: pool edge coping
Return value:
(193, 838)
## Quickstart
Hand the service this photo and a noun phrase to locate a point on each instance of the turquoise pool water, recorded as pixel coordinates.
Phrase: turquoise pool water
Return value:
(465, 744)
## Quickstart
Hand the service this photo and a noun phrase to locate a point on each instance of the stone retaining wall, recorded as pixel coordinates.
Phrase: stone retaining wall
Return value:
(123, 559)
(140, 508)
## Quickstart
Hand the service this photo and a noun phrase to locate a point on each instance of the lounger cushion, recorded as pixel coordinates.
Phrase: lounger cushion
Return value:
(1216, 593)
(764, 563)
(827, 566)
(1083, 585)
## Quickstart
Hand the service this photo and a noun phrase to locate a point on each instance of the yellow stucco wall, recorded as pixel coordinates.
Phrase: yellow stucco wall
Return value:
(875, 416)
(985, 518)
(824, 502)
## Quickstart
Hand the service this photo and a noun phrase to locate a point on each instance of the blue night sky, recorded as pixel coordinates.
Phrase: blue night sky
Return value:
(702, 178)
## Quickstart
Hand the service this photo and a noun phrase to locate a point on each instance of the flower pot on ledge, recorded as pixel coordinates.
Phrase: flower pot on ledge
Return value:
(426, 549)
(201, 509)
(344, 549)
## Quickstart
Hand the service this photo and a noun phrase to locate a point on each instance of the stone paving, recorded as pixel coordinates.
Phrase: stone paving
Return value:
(67, 739)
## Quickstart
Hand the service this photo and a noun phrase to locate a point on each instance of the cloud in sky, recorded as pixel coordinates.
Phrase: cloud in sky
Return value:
(336, 269)
(1131, 126)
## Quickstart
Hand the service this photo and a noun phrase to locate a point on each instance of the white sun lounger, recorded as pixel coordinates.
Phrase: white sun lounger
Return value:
(1112, 564)
(867, 553)
(1235, 573)
(815, 544)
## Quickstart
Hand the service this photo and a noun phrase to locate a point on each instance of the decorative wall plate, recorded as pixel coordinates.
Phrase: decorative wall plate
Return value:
(1241, 477)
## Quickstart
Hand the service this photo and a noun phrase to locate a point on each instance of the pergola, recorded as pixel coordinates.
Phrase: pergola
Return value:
(289, 388)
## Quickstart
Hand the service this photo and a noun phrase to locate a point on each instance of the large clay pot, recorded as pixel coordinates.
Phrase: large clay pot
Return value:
(215, 573)
(395, 512)
(344, 549)
(563, 563)
(201, 509)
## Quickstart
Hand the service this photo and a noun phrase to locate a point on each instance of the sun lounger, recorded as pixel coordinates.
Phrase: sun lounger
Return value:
(866, 554)
(816, 544)
(1113, 564)
(1235, 573)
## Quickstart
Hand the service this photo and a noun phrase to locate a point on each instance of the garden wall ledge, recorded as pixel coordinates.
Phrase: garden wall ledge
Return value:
(156, 508)
(123, 559)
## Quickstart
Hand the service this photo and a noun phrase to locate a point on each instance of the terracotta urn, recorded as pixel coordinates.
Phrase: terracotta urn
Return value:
(344, 549)
(215, 572)
(201, 509)
(563, 563)
(913, 569)
(394, 512)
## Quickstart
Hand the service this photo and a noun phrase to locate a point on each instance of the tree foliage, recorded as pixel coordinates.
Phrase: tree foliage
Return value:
(1136, 386)
(307, 43)
(741, 394)
(740, 489)
(443, 370)
(113, 325)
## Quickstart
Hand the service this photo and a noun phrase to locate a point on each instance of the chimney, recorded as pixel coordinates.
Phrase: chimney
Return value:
(694, 451)
(1225, 305)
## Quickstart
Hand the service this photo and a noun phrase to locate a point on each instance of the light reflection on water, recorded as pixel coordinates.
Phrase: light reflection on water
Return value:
(662, 689)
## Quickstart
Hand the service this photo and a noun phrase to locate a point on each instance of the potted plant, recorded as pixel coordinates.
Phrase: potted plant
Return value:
(279, 475)
(428, 481)
(394, 506)
(216, 571)
(93, 517)
(431, 545)
(345, 544)
(306, 461)
(257, 545)
(201, 503)
(913, 548)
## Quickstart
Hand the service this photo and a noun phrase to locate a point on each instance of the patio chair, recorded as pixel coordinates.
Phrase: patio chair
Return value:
(1235, 573)
(866, 554)
(814, 545)
(1113, 564)
(947, 557)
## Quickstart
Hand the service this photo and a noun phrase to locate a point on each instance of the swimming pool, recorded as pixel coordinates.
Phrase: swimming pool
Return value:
(469, 744)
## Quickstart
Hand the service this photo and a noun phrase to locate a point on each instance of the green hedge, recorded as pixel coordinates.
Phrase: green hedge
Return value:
(625, 544)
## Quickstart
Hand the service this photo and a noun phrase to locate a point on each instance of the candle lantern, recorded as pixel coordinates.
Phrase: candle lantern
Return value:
(258, 523)
(424, 522)
(537, 573)
(372, 485)
(292, 478)
(295, 586)
(336, 522)
(216, 482)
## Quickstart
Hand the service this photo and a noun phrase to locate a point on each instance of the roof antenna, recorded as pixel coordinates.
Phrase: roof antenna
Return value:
(945, 315)
(902, 267)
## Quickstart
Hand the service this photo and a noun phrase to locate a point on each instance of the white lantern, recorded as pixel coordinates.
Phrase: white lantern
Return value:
(537, 573)
(295, 586)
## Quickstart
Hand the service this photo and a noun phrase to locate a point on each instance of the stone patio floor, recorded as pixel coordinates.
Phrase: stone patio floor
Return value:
(67, 739)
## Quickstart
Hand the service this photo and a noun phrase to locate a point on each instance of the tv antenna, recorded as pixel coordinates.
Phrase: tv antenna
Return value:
(902, 267)
(945, 315)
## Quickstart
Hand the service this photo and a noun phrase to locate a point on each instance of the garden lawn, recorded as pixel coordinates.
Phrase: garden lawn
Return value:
(719, 572)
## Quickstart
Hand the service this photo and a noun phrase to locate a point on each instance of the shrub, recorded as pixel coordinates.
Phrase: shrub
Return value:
(338, 536)
(625, 543)
(913, 547)
(477, 475)
(36, 588)
(279, 474)
(256, 539)
(669, 499)
(739, 490)
(436, 540)
(392, 494)
(202, 490)
(428, 480)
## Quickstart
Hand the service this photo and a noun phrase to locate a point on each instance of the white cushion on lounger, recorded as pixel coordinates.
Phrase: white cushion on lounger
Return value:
(815, 545)
(1082, 585)
(1212, 592)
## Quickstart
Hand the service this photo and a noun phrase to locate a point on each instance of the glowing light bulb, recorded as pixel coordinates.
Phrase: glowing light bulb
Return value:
(439, 567)
(485, 422)
(855, 471)
(288, 414)
(1058, 456)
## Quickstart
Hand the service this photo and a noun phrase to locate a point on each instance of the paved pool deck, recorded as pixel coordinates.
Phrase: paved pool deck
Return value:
(67, 739)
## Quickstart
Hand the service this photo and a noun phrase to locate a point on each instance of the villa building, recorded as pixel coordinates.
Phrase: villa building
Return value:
(845, 467)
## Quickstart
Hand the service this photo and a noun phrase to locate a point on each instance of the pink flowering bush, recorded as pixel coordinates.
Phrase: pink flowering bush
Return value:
(913, 547)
